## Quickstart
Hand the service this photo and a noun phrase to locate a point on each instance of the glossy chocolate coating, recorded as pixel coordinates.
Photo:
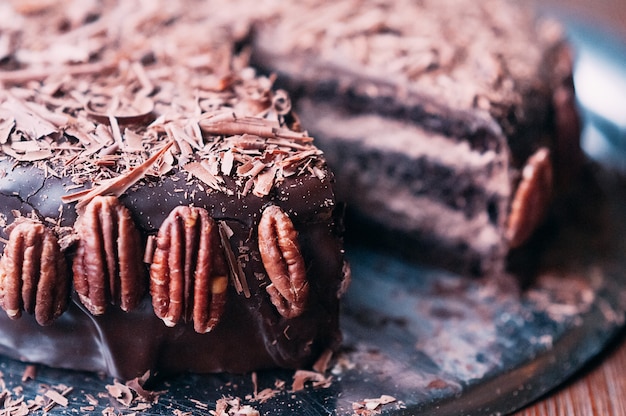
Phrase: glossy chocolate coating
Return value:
(251, 334)
(160, 111)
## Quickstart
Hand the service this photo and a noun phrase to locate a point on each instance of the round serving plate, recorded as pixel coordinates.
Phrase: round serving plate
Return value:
(422, 341)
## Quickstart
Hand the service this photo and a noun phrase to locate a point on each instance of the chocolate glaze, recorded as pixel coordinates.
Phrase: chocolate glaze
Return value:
(161, 91)
(232, 147)
(251, 334)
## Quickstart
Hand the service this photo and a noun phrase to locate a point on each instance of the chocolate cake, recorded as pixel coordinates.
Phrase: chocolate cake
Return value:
(449, 124)
(160, 207)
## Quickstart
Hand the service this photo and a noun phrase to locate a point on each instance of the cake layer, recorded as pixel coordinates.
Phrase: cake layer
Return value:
(381, 152)
(418, 184)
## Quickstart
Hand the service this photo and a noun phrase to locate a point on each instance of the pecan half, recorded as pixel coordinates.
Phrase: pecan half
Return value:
(108, 267)
(33, 274)
(532, 198)
(189, 275)
(280, 252)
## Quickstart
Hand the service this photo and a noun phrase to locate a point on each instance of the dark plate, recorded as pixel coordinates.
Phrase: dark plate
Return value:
(439, 343)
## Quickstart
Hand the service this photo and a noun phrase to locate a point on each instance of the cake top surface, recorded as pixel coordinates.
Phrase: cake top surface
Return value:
(106, 94)
(468, 54)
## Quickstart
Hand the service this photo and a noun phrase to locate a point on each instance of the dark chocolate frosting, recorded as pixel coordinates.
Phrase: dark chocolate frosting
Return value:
(251, 334)
(158, 116)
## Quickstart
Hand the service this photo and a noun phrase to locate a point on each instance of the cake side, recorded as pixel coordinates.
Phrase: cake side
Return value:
(418, 184)
(187, 212)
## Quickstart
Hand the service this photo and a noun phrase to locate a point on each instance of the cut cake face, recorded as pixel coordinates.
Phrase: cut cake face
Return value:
(430, 112)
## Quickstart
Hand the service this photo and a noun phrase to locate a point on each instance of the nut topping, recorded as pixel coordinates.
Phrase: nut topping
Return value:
(280, 252)
(33, 274)
(532, 198)
(108, 266)
(189, 275)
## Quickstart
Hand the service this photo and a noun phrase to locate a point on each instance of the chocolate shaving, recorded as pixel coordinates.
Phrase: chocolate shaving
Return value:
(228, 160)
(115, 129)
(30, 373)
(197, 170)
(265, 394)
(120, 392)
(298, 158)
(143, 115)
(136, 384)
(249, 125)
(179, 133)
(57, 398)
(228, 406)
(301, 377)
(29, 156)
(288, 144)
(150, 247)
(36, 74)
(252, 168)
(370, 406)
(58, 120)
(265, 182)
(6, 128)
(26, 120)
(322, 363)
(147, 87)
(119, 185)
(25, 146)
(133, 142)
(237, 274)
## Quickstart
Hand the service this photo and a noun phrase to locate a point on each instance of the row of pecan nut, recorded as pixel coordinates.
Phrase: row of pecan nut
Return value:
(188, 273)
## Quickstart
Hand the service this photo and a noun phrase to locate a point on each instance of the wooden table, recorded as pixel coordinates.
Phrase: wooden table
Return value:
(598, 390)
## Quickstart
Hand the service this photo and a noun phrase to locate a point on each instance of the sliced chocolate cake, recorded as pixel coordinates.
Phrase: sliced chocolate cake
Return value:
(160, 207)
(449, 123)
